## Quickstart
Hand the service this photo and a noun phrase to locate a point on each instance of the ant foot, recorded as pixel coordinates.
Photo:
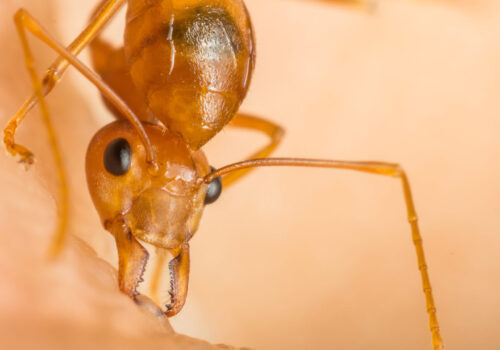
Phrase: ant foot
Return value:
(26, 157)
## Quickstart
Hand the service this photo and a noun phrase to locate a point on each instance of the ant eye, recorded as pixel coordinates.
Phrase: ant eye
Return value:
(214, 190)
(117, 157)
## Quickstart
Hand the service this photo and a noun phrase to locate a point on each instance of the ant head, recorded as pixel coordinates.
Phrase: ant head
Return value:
(162, 208)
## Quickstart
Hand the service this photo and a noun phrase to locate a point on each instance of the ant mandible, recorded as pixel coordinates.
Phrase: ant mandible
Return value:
(180, 77)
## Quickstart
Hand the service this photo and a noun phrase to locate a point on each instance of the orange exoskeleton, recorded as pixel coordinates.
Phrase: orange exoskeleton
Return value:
(180, 77)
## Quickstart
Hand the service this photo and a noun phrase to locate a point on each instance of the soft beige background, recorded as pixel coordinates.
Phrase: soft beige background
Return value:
(307, 258)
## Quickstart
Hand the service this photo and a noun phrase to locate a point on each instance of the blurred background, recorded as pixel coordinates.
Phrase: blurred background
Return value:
(292, 258)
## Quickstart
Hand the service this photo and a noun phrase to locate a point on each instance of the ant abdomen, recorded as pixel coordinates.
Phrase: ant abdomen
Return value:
(192, 60)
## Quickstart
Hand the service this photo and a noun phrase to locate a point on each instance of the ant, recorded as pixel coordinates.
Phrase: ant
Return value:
(179, 79)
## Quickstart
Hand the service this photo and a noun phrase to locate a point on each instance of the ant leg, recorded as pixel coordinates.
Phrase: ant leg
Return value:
(105, 12)
(179, 278)
(381, 168)
(25, 21)
(274, 131)
(161, 257)
(27, 156)
(132, 258)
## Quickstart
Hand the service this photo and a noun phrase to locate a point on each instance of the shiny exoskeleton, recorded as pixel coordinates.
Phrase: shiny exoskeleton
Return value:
(184, 70)
(180, 77)
(192, 61)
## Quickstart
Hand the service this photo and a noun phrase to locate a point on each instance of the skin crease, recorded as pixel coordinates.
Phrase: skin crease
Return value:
(293, 258)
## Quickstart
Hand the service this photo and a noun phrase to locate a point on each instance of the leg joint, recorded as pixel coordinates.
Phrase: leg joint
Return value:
(20, 14)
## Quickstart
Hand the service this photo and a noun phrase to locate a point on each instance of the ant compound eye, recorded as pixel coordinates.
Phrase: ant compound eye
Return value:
(214, 190)
(117, 157)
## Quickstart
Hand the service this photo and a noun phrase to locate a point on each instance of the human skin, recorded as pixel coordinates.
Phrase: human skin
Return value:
(72, 301)
(296, 258)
